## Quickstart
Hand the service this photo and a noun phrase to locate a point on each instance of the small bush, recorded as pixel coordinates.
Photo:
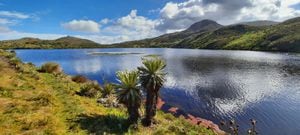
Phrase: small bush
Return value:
(169, 116)
(10, 55)
(31, 64)
(91, 89)
(14, 61)
(5, 93)
(41, 99)
(108, 89)
(51, 67)
(80, 79)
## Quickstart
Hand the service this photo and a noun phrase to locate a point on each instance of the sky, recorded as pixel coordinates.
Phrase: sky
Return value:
(112, 21)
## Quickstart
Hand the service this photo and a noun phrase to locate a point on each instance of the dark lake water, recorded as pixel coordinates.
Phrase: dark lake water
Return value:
(215, 85)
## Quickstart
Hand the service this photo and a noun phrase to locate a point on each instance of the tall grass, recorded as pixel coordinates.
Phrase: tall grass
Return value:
(51, 67)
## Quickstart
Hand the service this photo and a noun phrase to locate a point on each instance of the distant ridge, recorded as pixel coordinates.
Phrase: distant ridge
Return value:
(60, 43)
(260, 23)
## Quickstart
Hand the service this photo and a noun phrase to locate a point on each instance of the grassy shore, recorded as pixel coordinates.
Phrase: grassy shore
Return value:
(42, 103)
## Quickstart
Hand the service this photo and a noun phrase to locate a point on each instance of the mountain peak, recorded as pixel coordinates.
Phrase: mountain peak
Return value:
(75, 41)
(67, 38)
(204, 25)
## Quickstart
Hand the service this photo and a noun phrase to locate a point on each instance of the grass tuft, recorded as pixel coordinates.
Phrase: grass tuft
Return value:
(90, 89)
(80, 79)
(51, 67)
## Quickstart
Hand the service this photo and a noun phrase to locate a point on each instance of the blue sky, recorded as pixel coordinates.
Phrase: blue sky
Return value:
(113, 21)
(52, 12)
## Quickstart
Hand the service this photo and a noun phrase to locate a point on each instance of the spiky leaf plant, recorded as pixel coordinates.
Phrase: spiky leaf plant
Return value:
(129, 94)
(152, 77)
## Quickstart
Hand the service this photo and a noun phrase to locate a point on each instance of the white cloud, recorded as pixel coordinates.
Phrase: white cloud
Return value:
(131, 27)
(4, 21)
(13, 14)
(4, 29)
(152, 11)
(88, 26)
(10, 34)
(135, 22)
(126, 28)
(7, 34)
(269, 10)
(176, 16)
(105, 21)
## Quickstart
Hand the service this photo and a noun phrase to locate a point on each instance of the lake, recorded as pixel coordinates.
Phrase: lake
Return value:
(212, 84)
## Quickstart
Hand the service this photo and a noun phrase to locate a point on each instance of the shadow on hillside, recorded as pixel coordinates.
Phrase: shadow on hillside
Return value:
(101, 124)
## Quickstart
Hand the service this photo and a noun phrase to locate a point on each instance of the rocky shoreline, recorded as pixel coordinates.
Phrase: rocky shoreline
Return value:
(192, 119)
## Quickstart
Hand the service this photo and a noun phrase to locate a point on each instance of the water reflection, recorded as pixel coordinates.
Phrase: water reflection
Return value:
(229, 89)
(211, 84)
(87, 66)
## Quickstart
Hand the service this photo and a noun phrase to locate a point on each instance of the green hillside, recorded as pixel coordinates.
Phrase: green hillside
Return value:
(216, 39)
(61, 43)
(260, 23)
(280, 37)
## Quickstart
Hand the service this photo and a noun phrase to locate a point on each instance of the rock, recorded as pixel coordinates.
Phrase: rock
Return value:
(102, 100)
(108, 103)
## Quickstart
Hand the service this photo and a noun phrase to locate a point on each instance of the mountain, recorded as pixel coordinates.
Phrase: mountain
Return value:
(217, 38)
(283, 37)
(35, 43)
(202, 26)
(75, 41)
(260, 23)
(207, 34)
(168, 40)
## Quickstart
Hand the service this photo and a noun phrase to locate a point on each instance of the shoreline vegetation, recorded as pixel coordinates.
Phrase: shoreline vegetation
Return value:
(47, 101)
(206, 34)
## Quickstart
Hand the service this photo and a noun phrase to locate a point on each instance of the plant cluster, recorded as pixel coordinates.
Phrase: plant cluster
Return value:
(51, 67)
(233, 127)
(90, 89)
(149, 77)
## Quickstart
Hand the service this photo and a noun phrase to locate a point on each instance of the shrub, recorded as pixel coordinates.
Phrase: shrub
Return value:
(5, 93)
(42, 99)
(14, 61)
(10, 55)
(80, 79)
(51, 67)
(107, 90)
(91, 89)
(31, 64)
